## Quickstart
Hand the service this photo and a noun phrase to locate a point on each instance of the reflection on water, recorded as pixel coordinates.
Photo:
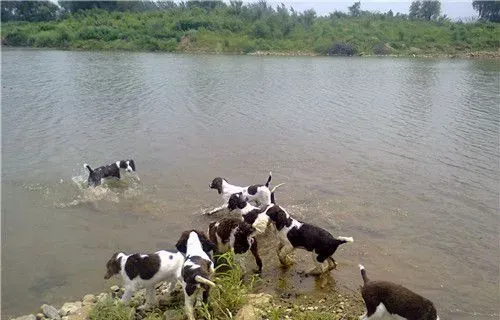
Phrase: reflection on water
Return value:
(401, 154)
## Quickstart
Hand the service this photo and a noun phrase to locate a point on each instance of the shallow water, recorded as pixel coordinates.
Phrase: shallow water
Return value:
(401, 154)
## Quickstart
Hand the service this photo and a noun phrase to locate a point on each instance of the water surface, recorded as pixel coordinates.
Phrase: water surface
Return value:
(401, 154)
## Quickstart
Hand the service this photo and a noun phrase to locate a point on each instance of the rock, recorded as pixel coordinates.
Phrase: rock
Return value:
(26, 317)
(259, 299)
(101, 297)
(69, 308)
(88, 299)
(170, 314)
(248, 312)
(39, 316)
(81, 314)
(50, 312)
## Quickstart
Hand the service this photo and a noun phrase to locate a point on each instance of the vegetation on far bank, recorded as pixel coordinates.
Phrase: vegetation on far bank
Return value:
(247, 28)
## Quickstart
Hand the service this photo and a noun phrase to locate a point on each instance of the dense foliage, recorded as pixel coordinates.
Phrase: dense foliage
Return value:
(200, 26)
(488, 10)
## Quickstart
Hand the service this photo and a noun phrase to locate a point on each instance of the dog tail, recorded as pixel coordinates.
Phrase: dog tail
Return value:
(269, 179)
(200, 279)
(276, 187)
(363, 274)
(345, 239)
(88, 167)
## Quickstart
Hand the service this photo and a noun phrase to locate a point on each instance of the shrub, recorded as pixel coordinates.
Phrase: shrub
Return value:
(342, 49)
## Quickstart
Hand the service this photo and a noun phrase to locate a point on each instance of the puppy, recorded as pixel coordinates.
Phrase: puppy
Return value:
(197, 268)
(296, 234)
(232, 233)
(109, 171)
(252, 215)
(383, 297)
(140, 271)
(259, 194)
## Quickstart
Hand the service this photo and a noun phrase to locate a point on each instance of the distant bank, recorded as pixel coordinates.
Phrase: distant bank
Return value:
(197, 31)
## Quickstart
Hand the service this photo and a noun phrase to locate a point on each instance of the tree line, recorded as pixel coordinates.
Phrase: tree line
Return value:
(36, 11)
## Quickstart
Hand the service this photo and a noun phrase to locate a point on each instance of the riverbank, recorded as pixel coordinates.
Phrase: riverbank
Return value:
(277, 33)
(238, 295)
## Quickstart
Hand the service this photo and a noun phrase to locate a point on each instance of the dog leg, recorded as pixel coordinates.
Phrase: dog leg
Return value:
(188, 305)
(331, 264)
(255, 251)
(150, 296)
(127, 295)
(224, 206)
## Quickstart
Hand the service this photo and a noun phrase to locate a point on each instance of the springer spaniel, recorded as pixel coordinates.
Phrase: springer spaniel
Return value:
(387, 298)
(144, 271)
(197, 269)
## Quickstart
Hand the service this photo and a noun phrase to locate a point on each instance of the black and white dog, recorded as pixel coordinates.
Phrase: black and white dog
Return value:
(197, 268)
(383, 297)
(252, 215)
(109, 171)
(258, 194)
(232, 233)
(140, 271)
(296, 234)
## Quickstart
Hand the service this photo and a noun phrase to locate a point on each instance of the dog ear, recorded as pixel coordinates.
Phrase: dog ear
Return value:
(181, 245)
(132, 164)
(206, 244)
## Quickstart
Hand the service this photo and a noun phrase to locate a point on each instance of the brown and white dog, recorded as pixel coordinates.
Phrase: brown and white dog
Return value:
(197, 268)
(145, 271)
(232, 233)
(383, 297)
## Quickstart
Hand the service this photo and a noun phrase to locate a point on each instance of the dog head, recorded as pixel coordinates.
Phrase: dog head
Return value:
(217, 184)
(113, 266)
(206, 244)
(279, 216)
(236, 200)
(128, 165)
(243, 237)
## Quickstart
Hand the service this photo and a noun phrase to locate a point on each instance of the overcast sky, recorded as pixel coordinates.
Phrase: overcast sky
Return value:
(453, 9)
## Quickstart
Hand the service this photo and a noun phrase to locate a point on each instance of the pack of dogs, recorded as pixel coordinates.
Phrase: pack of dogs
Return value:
(251, 211)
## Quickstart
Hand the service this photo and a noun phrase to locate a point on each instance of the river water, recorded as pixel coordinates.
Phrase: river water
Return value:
(401, 154)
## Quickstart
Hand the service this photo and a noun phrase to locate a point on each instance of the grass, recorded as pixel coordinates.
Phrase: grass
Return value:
(111, 309)
(230, 294)
(222, 31)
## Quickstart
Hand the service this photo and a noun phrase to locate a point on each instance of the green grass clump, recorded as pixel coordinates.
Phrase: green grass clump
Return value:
(230, 294)
(111, 309)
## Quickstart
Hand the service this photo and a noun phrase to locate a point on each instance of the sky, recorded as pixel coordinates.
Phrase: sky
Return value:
(453, 9)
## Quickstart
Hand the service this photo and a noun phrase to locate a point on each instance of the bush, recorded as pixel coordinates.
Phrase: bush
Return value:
(342, 49)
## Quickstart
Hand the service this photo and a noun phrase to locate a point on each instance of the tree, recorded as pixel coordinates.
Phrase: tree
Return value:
(415, 10)
(427, 10)
(488, 10)
(355, 9)
(74, 6)
(33, 11)
(430, 10)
